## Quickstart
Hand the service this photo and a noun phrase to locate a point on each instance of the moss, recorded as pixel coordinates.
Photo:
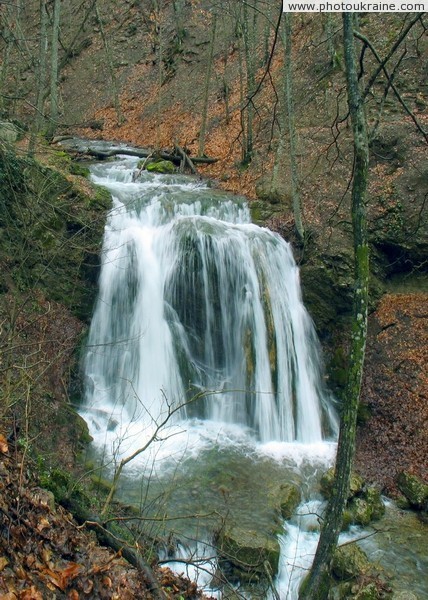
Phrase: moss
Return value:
(78, 169)
(414, 489)
(361, 511)
(161, 166)
(368, 592)
(101, 485)
(327, 482)
(289, 498)
(102, 198)
(248, 551)
(349, 562)
(64, 487)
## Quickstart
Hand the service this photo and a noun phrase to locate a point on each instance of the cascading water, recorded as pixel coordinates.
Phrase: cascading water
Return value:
(195, 301)
(195, 297)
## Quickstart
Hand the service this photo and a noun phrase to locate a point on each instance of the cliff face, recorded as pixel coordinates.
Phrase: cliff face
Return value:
(156, 59)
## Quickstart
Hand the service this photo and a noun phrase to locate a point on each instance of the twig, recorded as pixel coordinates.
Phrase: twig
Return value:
(361, 37)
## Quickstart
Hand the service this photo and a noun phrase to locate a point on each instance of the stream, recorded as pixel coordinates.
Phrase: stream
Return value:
(203, 363)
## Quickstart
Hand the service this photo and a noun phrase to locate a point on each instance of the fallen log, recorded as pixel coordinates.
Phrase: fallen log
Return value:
(144, 153)
(184, 157)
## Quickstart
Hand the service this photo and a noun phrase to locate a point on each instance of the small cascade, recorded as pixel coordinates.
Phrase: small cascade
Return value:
(193, 297)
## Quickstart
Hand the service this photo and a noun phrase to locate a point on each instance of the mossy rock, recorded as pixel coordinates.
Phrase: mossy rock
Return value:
(349, 562)
(102, 198)
(414, 489)
(403, 595)
(279, 193)
(373, 497)
(368, 592)
(327, 482)
(262, 211)
(247, 552)
(80, 170)
(8, 132)
(161, 166)
(289, 497)
(366, 508)
(361, 511)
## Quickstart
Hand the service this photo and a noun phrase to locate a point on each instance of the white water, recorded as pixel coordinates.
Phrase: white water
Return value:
(192, 295)
(194, 299)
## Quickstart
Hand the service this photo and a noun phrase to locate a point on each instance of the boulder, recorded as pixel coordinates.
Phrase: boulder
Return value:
(289, 497)
(8, 132)
(364, 503)
(327, 480)
(245, 552)
(368, 592)
(404, 595)
(161, 166)
(367, 507)
(349, 562)
(414, 489)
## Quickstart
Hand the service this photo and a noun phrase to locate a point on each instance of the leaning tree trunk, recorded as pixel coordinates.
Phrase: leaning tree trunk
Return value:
(317, 585)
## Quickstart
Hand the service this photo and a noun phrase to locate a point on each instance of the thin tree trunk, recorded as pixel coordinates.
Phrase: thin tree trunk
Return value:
(295, 191)
(43, 46)
(8, 38)
(249, 26)
(109, 56)
(317, 585)
(329, 33)
(207, 89)
(242, 97)
(54, 71)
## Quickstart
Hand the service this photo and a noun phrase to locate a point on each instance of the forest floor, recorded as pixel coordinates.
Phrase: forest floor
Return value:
(45, 554)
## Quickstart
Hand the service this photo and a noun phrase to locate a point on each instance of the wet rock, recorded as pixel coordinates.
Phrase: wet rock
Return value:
(349, 562)
(414, 489)
(8, 132)
(246, 553)
(364, 503)
(404, 595)
(161, 166)
(289, 497)
(366, 508)
(368, 592)
(327, 480)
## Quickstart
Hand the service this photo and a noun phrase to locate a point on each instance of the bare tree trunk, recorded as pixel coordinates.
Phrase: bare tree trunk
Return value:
(249, 27)
(41, 70)
(8, 38)
(329, 34)
(316, 587)
(207, 89)
(54, 71)
(109, 56)
(295, 188)
(242, 97)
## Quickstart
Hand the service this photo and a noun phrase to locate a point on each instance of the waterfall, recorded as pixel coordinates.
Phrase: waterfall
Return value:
(194, 297)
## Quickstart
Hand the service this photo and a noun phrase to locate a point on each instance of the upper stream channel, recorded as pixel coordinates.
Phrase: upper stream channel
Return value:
(201, 353)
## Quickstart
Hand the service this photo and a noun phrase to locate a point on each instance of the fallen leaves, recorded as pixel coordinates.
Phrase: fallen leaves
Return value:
(43, 554)
(4, 449)
(395, 389)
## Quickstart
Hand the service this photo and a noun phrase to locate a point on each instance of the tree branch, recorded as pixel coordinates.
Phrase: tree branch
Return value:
(419, 127)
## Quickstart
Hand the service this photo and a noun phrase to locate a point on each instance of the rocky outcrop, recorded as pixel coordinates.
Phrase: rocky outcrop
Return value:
(364, 503)
(414, 489)
(246, 554)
